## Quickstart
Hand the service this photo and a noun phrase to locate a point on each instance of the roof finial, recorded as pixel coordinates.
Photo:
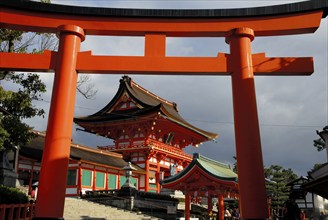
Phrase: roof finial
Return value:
(175, 106)
(126, 79)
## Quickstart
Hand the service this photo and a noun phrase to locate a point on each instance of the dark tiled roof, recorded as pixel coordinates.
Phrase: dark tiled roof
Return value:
(34, 150)
(149, 102)
(318, 181)
(290, 8)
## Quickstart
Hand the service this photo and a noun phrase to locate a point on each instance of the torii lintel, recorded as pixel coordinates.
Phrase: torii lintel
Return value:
(88, 63)
(294, 18)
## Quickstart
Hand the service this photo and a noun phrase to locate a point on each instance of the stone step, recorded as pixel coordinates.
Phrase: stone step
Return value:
(76, 209)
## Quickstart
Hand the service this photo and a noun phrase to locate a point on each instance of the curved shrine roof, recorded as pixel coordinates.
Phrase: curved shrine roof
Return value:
(213, 174)
(146, 103)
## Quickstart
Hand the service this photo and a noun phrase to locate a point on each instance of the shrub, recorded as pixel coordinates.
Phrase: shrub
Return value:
(9, 195)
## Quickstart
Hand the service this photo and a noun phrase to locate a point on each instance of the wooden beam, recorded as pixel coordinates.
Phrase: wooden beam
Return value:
(208, 26)
(157, 65)
(45, 62)
(263, 65)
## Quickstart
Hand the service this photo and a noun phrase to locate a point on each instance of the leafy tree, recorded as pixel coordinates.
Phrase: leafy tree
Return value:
(278, 178)
(18, 104)
(316, 166)
(235, 169)
(319, 144)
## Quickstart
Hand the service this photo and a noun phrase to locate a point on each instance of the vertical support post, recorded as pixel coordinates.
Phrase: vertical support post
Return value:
(269, 207)
(79, 179)
(158, 170)
(147, 173)
(209, 205)
(106, 179)
(31, 179)
(239, 205)
(94, 178)
(52, 189)
(326, 145)
(247, 133)
(187, 205)
(155, 44)
(220, 207)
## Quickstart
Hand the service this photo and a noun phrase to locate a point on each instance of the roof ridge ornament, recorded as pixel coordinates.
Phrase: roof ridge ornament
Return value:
(130, 81)
(196, 155)
(175, 106)
(126, 79)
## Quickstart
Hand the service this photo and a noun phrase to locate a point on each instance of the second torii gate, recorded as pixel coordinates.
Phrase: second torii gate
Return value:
(238, 26)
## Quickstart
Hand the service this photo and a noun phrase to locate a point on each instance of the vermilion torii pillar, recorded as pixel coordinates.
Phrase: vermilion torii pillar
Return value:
(60, 124)
(239, 26)
(251, 179)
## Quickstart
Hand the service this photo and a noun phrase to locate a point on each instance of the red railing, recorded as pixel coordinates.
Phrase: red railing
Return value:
(165, 147)
(17, 211)
(149, 142)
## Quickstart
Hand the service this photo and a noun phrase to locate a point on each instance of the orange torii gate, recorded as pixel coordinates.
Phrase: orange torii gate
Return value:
(238, 26)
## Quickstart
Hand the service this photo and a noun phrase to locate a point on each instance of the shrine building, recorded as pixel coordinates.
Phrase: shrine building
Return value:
(89, 169)
(147, 130)
(205, 178)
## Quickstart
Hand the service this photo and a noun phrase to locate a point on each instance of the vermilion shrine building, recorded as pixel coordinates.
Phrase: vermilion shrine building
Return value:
(89, 169)
(207, 178)
(147, 130)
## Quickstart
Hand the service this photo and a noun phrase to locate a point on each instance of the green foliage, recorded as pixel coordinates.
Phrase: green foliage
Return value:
(18, 101)
(13, 131)
(278, 188)
(235, 169)
(8, 39)
(317, 166)
(4, 135)
(9, 195)
(26, 42)
(319, 144)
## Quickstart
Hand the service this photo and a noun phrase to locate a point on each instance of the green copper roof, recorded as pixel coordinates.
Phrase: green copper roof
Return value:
(215, 168)
(220, 171)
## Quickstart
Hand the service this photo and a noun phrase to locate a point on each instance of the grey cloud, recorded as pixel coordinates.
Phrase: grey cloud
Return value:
(290, 108)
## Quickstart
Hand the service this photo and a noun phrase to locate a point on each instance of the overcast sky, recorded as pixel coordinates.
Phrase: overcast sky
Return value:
(290, 108)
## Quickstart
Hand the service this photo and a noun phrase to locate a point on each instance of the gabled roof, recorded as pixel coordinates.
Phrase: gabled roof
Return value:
(298, 181)
(34, 150)
(203, 172)
(145, 103)
(318, 182)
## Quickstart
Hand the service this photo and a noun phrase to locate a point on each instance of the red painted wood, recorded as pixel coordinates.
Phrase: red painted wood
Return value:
(55, 158)
(249, 155)
(248, 146)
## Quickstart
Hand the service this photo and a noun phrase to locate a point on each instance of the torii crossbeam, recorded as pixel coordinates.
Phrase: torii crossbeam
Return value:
(238, 26)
